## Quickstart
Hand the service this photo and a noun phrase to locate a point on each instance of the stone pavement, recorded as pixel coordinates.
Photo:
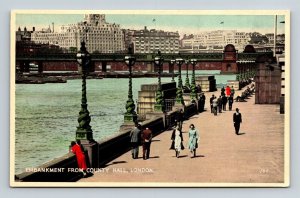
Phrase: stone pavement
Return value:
(255, 156)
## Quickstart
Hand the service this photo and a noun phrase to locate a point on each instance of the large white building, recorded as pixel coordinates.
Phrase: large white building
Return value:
(214, 40)
(150, 41)
(99, 35)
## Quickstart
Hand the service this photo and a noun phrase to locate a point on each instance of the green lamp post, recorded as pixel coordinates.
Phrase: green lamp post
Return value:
(130, 115)
(159, 105)
(187, 81)
(179, 96)
(193, 83)
(172, 63)
(84, 130)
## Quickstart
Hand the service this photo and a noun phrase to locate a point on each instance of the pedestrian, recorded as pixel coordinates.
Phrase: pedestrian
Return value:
(228, 91)
(146, 141)
(193, 140)
(80, 157)
(203, 98)
(232, 91)
(135, 139)
(223, 91)
(179, 118)
(215, 106)
(211, 102)
(220, 103)
(237, 120)
(230, 101)
(177, 140)
(224, 102)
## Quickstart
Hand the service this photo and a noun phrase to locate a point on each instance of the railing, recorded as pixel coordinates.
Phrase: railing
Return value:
(117, 57)
(169, 103)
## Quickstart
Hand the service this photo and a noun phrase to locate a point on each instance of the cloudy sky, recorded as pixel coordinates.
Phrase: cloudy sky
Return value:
(184, 24)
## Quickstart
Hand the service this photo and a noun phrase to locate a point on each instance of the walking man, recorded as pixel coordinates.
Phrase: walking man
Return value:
(220, 103)
(211, 102)
(224, 102)
(135, 135)
(179, 119)
(230, 101)
(146, 140)
(237, 120)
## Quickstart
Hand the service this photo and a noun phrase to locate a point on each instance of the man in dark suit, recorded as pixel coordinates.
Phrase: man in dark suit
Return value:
(237, 120)
(135, 137)
(146, 140)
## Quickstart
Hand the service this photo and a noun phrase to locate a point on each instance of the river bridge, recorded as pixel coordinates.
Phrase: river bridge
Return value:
(230, 61)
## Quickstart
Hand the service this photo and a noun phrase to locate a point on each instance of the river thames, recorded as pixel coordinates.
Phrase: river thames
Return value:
(46, 114)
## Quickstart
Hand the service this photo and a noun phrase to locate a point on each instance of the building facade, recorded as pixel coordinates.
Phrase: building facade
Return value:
(214, 41)
(150, 41)
(99, 35)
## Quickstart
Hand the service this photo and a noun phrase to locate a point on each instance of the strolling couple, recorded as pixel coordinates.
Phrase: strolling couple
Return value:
(177, 140)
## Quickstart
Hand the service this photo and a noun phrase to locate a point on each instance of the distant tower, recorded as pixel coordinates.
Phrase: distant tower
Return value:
(95, 18)
(52, 26)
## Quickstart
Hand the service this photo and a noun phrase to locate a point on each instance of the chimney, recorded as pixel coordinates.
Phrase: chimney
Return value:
(33, 29)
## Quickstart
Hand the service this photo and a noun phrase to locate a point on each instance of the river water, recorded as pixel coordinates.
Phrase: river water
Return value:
(46, 114)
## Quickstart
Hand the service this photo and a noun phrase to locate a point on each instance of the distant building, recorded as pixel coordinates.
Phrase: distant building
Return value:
(99, 35)
(214, 41)
(150, 41)
(24, 35)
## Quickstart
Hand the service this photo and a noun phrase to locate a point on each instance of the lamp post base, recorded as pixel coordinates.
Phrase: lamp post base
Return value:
(84, 134)
(92, 150)
(129, 122)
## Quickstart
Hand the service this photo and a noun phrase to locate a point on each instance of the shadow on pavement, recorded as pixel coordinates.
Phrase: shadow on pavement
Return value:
(199, 156)
(117, 162)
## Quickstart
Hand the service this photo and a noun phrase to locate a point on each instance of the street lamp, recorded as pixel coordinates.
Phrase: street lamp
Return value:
(158, 62)
(84, 130)
(179, 96)
(130, 115)
(187, 81)
(193, 83)
(172, 62)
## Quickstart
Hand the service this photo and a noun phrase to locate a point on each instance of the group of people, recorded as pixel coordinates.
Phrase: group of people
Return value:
(140, 137)
(219, 104)
(177, 140)
(245, 94)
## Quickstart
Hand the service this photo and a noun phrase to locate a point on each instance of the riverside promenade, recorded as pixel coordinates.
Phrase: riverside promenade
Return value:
(255, 156)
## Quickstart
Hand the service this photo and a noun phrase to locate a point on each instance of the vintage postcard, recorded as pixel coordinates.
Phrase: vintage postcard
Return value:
(150, 98)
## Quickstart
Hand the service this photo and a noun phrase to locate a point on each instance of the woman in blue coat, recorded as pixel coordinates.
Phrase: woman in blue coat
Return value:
(193, 140)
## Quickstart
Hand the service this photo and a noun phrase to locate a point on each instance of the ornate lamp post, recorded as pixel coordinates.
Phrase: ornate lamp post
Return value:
(159, 105)
(193, 83)
(179, 96)
(130, 115)
(84, 130)
(187, 81)
(172, 62)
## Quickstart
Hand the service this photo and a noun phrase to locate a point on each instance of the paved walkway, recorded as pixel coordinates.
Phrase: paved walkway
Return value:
(256, 156)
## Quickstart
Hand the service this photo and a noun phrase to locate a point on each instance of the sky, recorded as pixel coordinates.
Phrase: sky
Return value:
(184, 24)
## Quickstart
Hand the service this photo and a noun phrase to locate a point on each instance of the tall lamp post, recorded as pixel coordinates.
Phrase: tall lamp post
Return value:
(187, 81)
(84, 130)
(179, 96)
(172, 63)
(193, 83)
(130, 115)
(158, 62)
